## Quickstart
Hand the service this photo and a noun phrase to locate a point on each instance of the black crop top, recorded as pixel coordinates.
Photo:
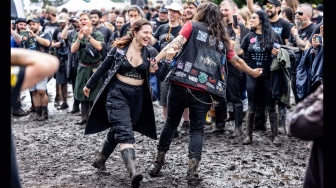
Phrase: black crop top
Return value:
(138, 72)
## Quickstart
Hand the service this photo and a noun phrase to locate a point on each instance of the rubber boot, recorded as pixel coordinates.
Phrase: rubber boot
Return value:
(192, 173)
(38, 112)
(75, 107)
(282, 119)
(45, 112)
(42, 114)
(155, 169)
(260, 118)
(85, 107)
(128, 155)
(231, 116)
(273, 117)
(249, 127)
(103, 155)
(220, 117)
(238, 111)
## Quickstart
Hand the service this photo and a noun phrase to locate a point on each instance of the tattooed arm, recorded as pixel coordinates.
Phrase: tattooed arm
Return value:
(242, 66)
(177, 44)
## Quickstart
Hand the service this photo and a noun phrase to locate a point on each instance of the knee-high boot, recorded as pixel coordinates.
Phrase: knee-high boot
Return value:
(103, 155)
(282, 119)
(85, 108)
(249, 127)
(128, 155)
(273, 117)
(238, 111)
(154, 170)
(192, 173)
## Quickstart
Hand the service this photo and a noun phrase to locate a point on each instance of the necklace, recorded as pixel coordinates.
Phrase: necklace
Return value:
(134, 54)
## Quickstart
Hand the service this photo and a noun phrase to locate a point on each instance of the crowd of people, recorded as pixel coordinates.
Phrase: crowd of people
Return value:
(245, 71)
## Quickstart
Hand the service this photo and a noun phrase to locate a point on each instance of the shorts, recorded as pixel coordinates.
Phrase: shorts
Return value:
(164, 88)
(41, 85)
(61, 77)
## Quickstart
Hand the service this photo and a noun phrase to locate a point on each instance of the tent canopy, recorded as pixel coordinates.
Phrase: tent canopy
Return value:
(17, 10)
(75, 6)
(107, 4)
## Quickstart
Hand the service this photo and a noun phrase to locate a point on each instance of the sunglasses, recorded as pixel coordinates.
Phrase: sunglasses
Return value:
(268, 6)
(300, 13)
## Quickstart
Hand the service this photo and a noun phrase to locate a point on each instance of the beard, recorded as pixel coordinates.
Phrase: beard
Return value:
(298, 23)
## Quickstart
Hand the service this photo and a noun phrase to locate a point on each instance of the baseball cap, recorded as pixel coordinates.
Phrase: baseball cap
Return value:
(195, 2)
(33, 19)
(274, 2)
(62, 17)
(319, 7)
(51, 10)
(163, 9)
(18, 20)
(175, 6)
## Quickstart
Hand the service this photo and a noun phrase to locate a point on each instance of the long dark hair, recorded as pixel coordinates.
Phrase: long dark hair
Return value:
(268, 35)
(127, 39)
(209, 14)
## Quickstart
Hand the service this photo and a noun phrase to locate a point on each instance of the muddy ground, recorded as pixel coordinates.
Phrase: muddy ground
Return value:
(56, 153)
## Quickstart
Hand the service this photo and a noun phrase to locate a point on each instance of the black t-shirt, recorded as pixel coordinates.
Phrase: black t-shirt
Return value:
(161, 34)
(257, 56)
(124, 29)
(107, 33)
(303, 34)
(282, 28)
(32, 44)
(156, 24)
(317, 20)
(50, 27)
(231, 69)
(57, 35)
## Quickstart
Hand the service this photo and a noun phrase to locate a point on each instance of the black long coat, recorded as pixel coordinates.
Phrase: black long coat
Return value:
(98, 120)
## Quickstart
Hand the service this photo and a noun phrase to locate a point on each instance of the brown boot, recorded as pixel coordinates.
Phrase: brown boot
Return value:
(249, 127)
(128, 155)
(192, 173)
(154, 170)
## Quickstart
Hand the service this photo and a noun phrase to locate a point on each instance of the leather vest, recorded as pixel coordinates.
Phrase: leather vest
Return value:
(200, 64)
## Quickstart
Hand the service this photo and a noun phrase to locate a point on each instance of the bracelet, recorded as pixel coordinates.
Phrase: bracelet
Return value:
(237, 38)
(89, 38)
(152, 61)
(77, 40)
(168, 61)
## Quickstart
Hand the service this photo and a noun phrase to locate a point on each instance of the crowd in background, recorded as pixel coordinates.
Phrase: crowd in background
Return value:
(298, 28)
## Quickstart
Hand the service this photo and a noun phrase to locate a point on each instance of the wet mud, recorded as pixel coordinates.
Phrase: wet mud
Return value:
(56, 153)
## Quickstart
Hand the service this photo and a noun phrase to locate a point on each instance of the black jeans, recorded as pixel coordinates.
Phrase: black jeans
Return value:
(259, 86)
(123, 106)
(234, 90)
(198, 103)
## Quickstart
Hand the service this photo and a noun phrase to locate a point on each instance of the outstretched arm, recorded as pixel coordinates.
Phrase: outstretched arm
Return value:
(38, 65)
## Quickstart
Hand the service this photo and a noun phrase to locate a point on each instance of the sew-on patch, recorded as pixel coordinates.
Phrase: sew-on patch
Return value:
(180, 74)
(202, 36)
(192, 78)
(180, 65)
(202, 77)
(187, 66)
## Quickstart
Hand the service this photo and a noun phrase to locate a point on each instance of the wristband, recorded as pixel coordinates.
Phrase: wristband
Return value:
(89, 37)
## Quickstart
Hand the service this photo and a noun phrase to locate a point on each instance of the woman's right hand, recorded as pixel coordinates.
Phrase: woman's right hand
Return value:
(86, 91)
